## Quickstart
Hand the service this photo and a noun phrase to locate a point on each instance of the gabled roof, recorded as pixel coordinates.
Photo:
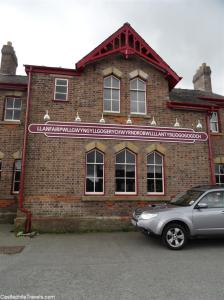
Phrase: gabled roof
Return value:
(128, 42)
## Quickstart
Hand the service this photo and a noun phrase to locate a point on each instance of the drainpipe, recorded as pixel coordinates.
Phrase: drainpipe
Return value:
(210, 156)
(21, 190)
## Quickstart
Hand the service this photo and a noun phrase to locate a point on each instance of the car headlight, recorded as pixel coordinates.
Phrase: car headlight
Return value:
(147, 216)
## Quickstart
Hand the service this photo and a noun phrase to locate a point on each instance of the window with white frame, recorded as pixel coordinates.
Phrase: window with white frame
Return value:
(125, 172)
(214, 122)
(94, 172)
(13, 108)
(155, 176)
(16, 176)
(111, 94)
(219, 173)
(61, 89)
(138, 96)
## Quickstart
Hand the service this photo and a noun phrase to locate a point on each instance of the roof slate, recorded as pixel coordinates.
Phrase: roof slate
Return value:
(14, 79)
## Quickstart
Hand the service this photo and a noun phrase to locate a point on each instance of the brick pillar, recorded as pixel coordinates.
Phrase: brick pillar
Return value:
(202, 79)
(9, 60)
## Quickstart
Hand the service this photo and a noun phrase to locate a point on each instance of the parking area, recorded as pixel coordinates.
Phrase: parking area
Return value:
(121, 265)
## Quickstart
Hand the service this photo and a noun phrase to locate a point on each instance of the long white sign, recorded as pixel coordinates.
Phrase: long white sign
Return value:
(118, 132)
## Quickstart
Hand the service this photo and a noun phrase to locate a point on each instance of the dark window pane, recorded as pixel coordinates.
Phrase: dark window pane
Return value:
(99, 170)
(130, 185)
(61, 82)
(16, 187)
(217, 179)
(9, 102)
(159, 186)
(17, 103)
(16, 115)
(150, 159)
(91, 157)
(221, 178)
(221, 168)
(18, 164)
(99, 185)
(17, 176)
(150, 171)
(90, 184)
(90, 170)
(158, 171)
(216, 168)
(130, 171)
(120, 157)
(60, 96)
(130, 158)
(99, 157)
(158, 159)
(9, 115)
(61, 89)
(120, 171)
(150, 186)
(120, 185)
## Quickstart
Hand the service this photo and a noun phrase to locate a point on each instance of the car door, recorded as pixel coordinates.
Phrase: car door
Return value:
(210, 220)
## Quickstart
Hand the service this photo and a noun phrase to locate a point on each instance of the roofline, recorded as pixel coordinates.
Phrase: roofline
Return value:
(51, 70)
(192, 106)
(13, 86)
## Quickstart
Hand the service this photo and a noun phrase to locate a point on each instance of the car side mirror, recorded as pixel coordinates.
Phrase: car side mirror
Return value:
(202, 205)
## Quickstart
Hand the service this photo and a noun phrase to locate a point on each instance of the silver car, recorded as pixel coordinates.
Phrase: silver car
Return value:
(197, 212)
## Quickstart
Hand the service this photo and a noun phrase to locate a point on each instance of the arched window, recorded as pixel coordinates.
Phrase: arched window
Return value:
(155, 173)
(111, 95)
(94, 172)
(125, 172)
(138, 96)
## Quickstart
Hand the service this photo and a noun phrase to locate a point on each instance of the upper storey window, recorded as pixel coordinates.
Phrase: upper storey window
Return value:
(61, 89)
(138, 96)
(13, 108)
(111, 98)
(214, 122)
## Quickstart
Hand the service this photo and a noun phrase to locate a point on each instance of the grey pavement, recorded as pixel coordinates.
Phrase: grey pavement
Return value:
(104, 266)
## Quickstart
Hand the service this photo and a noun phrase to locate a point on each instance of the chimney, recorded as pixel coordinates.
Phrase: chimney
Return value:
(9, 60)
(202, 79)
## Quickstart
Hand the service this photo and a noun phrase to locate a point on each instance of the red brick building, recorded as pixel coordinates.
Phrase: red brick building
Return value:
(81, 148)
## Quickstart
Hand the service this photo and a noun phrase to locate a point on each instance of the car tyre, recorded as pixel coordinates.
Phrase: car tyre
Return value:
(174, 236)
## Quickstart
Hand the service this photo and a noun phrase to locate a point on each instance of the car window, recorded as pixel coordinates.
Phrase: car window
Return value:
(187, 198)
(214, 199)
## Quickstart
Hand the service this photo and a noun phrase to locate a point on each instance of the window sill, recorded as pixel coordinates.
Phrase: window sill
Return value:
(126, 115)
(216, 133)
(128, 198)
(60, 101)
(10, 122)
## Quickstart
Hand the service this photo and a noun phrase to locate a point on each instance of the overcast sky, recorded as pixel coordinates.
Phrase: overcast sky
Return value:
(185, 33)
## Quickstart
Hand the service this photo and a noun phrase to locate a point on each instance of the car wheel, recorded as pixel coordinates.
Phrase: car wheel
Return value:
(174, 236)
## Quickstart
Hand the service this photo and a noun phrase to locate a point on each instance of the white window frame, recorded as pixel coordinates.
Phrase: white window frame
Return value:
(13, 109)
(94, 163)
(216, 122)
(0, 169)
(14, 176)
(111, 88)
(125, 178)
(138, 90)
(154, 178)
(219, 174)
(55, 87)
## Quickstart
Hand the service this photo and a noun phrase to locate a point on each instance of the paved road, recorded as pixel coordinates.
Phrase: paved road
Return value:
(104, 266)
